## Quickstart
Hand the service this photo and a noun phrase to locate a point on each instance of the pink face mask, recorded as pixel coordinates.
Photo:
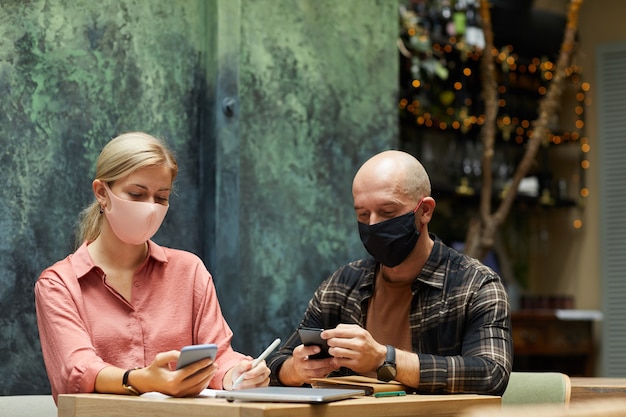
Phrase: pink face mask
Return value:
(133, 222)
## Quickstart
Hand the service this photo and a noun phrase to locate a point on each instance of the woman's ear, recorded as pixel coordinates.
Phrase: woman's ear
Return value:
(99, 191)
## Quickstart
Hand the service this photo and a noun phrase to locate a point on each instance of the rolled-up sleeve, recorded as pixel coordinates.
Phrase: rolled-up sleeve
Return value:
(483, 359)
(71, 361)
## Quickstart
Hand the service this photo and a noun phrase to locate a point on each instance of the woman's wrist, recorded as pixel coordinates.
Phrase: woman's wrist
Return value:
(130, 381)
(227, 381)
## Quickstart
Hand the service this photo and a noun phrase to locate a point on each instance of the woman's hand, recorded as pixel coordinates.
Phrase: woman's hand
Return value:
(258, 376)
(162, 376)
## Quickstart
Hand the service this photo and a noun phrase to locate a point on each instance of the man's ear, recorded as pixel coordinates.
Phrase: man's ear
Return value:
(428, 207)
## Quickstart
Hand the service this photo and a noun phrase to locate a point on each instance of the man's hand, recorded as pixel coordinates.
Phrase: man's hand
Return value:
(354, 347)
(299, 369)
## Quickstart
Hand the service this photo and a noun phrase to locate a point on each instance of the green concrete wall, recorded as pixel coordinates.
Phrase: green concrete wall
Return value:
(318, 94)
(264, 191)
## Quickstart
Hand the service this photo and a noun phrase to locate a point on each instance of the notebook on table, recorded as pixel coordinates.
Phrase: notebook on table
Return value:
(291, 394)
(370, 385)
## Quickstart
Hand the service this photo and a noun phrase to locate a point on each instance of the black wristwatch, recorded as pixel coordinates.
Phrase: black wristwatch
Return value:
(126, 385)
(387, 371)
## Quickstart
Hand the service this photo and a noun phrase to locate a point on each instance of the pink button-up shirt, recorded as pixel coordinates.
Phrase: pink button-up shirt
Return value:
(85, 325)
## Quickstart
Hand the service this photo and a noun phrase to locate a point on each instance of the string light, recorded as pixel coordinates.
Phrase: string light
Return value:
(459, 112)
(546, 66)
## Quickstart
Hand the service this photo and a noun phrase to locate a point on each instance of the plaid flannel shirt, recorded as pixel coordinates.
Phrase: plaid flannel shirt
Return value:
(460, 321)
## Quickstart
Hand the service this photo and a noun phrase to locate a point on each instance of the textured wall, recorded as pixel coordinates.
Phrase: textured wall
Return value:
(318, 97)
(263, 196)
(71, 77)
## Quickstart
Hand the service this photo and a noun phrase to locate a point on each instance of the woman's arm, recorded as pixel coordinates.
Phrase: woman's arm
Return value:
(70, 358)
(159, 376)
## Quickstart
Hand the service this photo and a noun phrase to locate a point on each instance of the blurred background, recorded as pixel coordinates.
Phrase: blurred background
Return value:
(271, 107)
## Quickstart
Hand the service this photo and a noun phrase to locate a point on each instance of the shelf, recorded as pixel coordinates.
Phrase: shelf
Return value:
(543, 341)
(440, 190)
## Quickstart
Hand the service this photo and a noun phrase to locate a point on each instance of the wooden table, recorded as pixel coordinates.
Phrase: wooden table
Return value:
(107, 405)
(596, 388)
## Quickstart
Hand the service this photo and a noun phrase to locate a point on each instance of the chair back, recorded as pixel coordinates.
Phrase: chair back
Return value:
(537, 388)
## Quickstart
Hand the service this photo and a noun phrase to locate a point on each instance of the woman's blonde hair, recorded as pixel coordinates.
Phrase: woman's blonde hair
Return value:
(120, 157)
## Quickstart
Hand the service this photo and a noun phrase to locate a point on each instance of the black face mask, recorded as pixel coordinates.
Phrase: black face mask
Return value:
(391, 241)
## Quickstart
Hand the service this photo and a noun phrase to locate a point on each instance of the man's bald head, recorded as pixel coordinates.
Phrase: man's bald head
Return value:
(397, 170)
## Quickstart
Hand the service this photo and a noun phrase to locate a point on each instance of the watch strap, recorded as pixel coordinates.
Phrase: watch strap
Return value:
(126, 385)
(390, 358)
(387, 371)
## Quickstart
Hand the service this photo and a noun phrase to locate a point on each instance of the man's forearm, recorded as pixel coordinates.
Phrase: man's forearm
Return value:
(408, 368)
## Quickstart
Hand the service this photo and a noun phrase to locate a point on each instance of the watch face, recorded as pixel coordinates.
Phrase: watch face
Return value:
(386, 372)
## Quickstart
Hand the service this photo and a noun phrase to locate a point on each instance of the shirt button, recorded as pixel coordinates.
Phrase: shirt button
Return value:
(136, 284)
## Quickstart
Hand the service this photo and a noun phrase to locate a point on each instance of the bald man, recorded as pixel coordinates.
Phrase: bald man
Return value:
(417, 312)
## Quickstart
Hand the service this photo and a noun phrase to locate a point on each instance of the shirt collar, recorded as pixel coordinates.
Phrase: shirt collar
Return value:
(432, 272)
(83, 263)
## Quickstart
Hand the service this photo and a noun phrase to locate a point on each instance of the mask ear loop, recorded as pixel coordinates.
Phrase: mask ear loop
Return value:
(419, 203)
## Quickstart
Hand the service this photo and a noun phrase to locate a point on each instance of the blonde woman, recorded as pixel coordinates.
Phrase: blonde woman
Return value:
(114, 315)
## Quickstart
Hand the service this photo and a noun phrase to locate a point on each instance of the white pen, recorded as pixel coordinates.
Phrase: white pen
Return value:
(258, 360)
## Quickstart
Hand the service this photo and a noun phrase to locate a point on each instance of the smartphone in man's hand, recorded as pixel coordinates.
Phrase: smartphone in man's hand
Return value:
(312, 337)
